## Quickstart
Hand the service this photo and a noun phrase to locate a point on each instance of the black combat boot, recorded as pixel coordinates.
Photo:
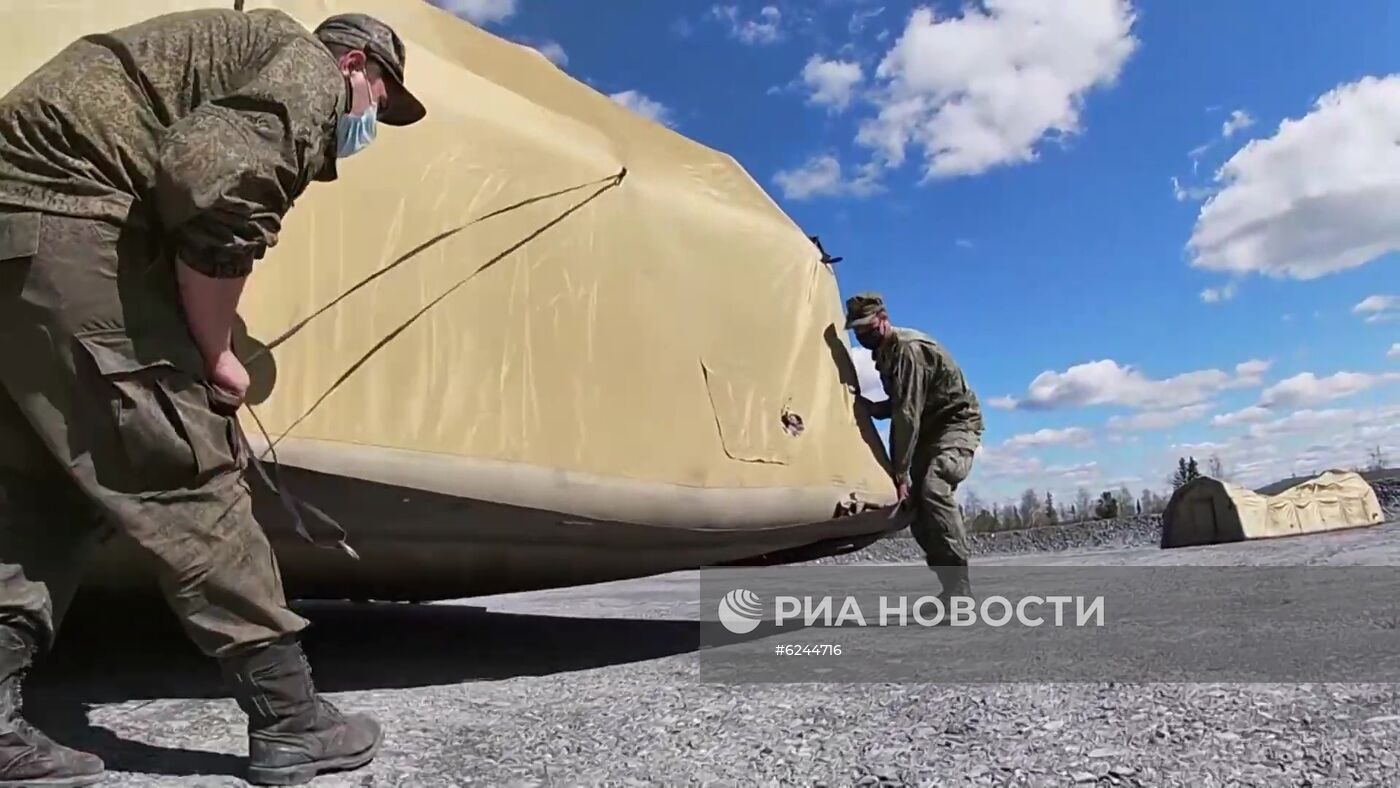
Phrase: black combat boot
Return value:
(293, 733)
(28, 757)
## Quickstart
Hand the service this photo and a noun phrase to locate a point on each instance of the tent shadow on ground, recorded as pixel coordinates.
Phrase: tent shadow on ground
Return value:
(137, 651)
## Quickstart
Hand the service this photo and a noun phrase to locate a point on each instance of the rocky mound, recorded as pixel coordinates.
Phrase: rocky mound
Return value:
(1134, 531)
(1388, 493)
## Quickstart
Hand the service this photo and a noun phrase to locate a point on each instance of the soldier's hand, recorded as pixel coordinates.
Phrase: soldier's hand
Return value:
(902, 491)
(230, 381)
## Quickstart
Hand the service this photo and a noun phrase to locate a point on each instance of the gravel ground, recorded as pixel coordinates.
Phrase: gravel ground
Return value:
(597, 686)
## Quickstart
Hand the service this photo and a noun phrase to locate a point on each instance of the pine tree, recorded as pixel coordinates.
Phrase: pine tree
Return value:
(1108, 506)
(1180, 477)
(1186, 470)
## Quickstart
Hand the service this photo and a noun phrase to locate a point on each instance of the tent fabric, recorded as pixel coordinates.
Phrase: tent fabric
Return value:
(1210, 511)
(488, 288)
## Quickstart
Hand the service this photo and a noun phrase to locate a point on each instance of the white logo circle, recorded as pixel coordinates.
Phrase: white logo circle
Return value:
(740, 611)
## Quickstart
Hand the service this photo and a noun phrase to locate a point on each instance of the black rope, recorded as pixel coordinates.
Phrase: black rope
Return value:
(291, 502)
(826, 258)
(613, 181)
(419, 249)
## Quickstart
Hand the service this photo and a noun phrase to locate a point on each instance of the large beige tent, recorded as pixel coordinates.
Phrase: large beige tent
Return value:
(501, 363)
(1210, 511)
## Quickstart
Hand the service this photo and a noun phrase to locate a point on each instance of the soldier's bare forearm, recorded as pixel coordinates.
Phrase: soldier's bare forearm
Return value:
(210, 305)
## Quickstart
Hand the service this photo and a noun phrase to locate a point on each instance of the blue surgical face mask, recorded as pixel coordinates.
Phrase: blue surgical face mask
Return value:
(355, 132)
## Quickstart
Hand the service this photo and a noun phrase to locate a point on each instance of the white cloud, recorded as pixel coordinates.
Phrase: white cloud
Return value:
(860, 19)
(553, 51)
(1059, 480)
(1069, 436)
(1307, 389)
(1204, 448)
(1104, 382)
(644, 106)
(1239, 121)
(1301, 421)
(1318, 197)
(480, 12)
(1300, 443)
(1252, 372)
(1159, 419)
(1185, 193)
(870, 385)
(1247, 415)
(1079, 473)
(831, 82)
(982, 90)
(1212, 295)
(1002, 464)
(1394, 351)
(1378, 308)
(821, 176)
(762, 29)
(1003, 403)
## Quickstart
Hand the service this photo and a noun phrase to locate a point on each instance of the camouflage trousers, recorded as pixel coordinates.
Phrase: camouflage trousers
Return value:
(938, 525)
(107, 429)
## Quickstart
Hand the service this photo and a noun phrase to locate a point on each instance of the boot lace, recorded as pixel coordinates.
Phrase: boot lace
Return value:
(12, 700)
(326, 712)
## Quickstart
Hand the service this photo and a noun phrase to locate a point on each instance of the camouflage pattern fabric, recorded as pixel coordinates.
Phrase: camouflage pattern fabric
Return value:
(935, 426)
(186, 137)
(204, 126)
(110, 421)
(929, 398)
(938, 525)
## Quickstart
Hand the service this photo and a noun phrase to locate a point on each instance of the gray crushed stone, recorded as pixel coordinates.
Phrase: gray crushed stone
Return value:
(1135, 531)
(650, 724)
(1388, 494)
(599, 686)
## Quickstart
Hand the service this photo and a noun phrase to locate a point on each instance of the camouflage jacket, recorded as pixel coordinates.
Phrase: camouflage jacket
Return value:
(203, 126)
(930, 406)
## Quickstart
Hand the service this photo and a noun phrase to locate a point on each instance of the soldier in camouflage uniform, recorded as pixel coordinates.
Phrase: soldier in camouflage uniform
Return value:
(143, 171)
(935, 427)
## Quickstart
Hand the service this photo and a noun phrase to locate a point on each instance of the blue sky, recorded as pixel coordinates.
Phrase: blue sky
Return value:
(1143, 228)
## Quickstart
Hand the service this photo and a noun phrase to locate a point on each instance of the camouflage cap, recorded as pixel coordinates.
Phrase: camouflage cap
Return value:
(379, 41)
(863, 308)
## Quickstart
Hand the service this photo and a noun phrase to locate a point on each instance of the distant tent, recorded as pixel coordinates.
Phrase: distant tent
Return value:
(1210, 511)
